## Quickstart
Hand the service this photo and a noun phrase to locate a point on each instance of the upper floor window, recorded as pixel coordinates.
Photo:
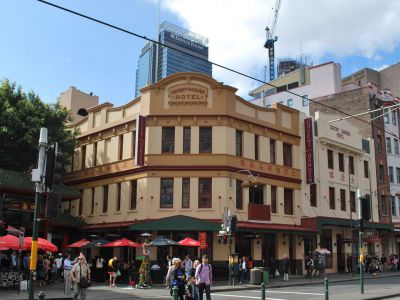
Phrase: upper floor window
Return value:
(366, 169)
(341, 162)
(313, 195)
(290, 102)
(118, 197)
(273, 200)
(94, 154)
(205, 192)
(205, 140)
(272, 155)
(288, 201)
(379, 142)
(167, 193)
(381, 173)
(168, 139)
(388, 145)
(105, 198)
(353, 201)
(239, 143)
(396, 146)
(239, 195)
(83, 162)
(391, 175)
(186, 139)
(394, 211)
(394, 117)
(287, 155)
(92, 202)
(343, 199)
(304, 100)
(256, 194)
(185, 192)
(386, 115)
(133, 194)
(332, 204)
(330, 159)
(398, 174)
(256, 143)
(121, 147)
(80, 208)
(351, 165)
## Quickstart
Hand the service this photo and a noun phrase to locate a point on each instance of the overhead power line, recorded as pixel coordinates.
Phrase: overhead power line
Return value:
(206, 60)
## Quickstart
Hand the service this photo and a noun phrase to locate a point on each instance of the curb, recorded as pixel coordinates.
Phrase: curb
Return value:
(257, 287)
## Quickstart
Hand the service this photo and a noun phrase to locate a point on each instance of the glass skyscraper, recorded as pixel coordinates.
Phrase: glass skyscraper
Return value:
(171, 61)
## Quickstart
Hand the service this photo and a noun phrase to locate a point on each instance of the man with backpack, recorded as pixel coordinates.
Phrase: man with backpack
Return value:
(204, 278)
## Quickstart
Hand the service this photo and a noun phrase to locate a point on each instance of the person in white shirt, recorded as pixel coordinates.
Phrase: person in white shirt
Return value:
(67, 270)
(100, 269)
(58, 262)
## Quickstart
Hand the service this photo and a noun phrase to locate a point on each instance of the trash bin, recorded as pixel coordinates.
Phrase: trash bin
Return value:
(255, 276)
(265, 275)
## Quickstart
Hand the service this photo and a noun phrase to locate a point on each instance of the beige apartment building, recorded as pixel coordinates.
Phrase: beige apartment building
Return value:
(342, 163)
(201, 142)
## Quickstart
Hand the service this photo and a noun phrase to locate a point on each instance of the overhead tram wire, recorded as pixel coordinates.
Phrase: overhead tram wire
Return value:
(203, 59)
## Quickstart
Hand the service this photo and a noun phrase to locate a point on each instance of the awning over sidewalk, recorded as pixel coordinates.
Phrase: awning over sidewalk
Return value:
(317, 223)
(263, 227)
(178, 222)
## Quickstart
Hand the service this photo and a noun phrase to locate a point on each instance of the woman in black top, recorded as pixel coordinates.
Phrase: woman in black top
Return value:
(40, 270)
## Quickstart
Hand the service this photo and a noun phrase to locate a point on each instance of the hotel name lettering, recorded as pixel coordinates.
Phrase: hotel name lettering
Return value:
(188, 94)
(339, 132)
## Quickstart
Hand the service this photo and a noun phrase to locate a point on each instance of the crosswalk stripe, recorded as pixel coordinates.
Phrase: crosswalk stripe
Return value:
(240, 296)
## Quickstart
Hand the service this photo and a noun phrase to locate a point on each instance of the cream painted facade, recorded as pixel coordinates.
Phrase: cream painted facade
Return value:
(332, 210)
(119, 196)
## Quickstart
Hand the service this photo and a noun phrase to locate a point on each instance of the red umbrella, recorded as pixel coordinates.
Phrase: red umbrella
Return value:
(9, 241)
(122, 243)
(78, 244)
(43, 244)
(189, 242)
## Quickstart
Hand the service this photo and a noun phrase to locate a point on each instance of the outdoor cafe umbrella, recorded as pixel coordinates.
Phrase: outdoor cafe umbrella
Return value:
(9, 242)
(162, 241)
(96, 243)
(122, 243)
(78, 244)
(189, 242)
(43, 245)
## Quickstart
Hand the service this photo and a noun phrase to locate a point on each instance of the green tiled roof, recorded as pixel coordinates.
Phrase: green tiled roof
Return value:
(177, 222)
(21, 183)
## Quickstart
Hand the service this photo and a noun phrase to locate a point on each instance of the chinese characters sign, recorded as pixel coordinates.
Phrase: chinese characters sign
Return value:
(309, 142)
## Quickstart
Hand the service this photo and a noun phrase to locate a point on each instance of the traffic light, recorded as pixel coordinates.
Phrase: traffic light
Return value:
(53, 167)
(365, 207)
(3, 228)
(53, 204)
(233, 224)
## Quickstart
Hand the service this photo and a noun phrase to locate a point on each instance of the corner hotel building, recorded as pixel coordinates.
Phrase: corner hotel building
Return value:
(198, 135)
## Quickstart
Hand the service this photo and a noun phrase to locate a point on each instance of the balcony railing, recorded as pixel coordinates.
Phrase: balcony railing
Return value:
(259, 212)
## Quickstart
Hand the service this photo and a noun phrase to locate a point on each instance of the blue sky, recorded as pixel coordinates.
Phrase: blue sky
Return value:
(47, 50)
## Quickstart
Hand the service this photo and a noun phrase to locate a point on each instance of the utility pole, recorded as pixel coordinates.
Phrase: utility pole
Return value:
(360, 237)
(38, 177)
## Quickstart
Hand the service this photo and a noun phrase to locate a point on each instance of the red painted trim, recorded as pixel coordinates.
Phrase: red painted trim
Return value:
(180, 168)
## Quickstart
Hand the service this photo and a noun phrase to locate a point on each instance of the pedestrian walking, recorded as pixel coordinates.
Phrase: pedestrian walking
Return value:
(191, 289)
(309, 266)
(112, 270)
(58, 262)
(350, 263)
(187, 265)
(273, 266)
(40, 270)
(204, 278)
(13, 261)
(195, 264)
(99, 269)
(286, 266)
(243, 268)
(80, 275)
(176, 278)
(383, 263)
(67, 266)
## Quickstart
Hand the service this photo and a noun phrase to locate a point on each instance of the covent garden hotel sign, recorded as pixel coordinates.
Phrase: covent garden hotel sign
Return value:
(187, 94)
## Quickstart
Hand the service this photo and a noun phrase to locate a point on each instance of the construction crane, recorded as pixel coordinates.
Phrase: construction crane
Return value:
(270, 41)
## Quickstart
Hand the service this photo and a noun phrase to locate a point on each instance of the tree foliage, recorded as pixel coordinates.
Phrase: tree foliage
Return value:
(21, 117)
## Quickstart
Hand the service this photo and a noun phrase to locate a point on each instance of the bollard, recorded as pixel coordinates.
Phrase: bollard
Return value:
(41, 295)
(326, 289)
(175, 291)
(262, 291)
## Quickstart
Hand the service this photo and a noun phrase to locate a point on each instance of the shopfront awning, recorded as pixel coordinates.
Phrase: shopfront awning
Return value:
(178, 222)
(318, 222)
(266, 227)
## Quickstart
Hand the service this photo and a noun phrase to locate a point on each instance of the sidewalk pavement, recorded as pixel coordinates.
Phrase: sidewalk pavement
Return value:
(98, 291)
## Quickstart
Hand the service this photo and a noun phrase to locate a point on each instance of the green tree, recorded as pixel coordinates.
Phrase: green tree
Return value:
(21, 117)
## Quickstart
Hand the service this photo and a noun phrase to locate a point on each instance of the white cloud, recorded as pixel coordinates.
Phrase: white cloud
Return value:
(338, 28)
(380, 68)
